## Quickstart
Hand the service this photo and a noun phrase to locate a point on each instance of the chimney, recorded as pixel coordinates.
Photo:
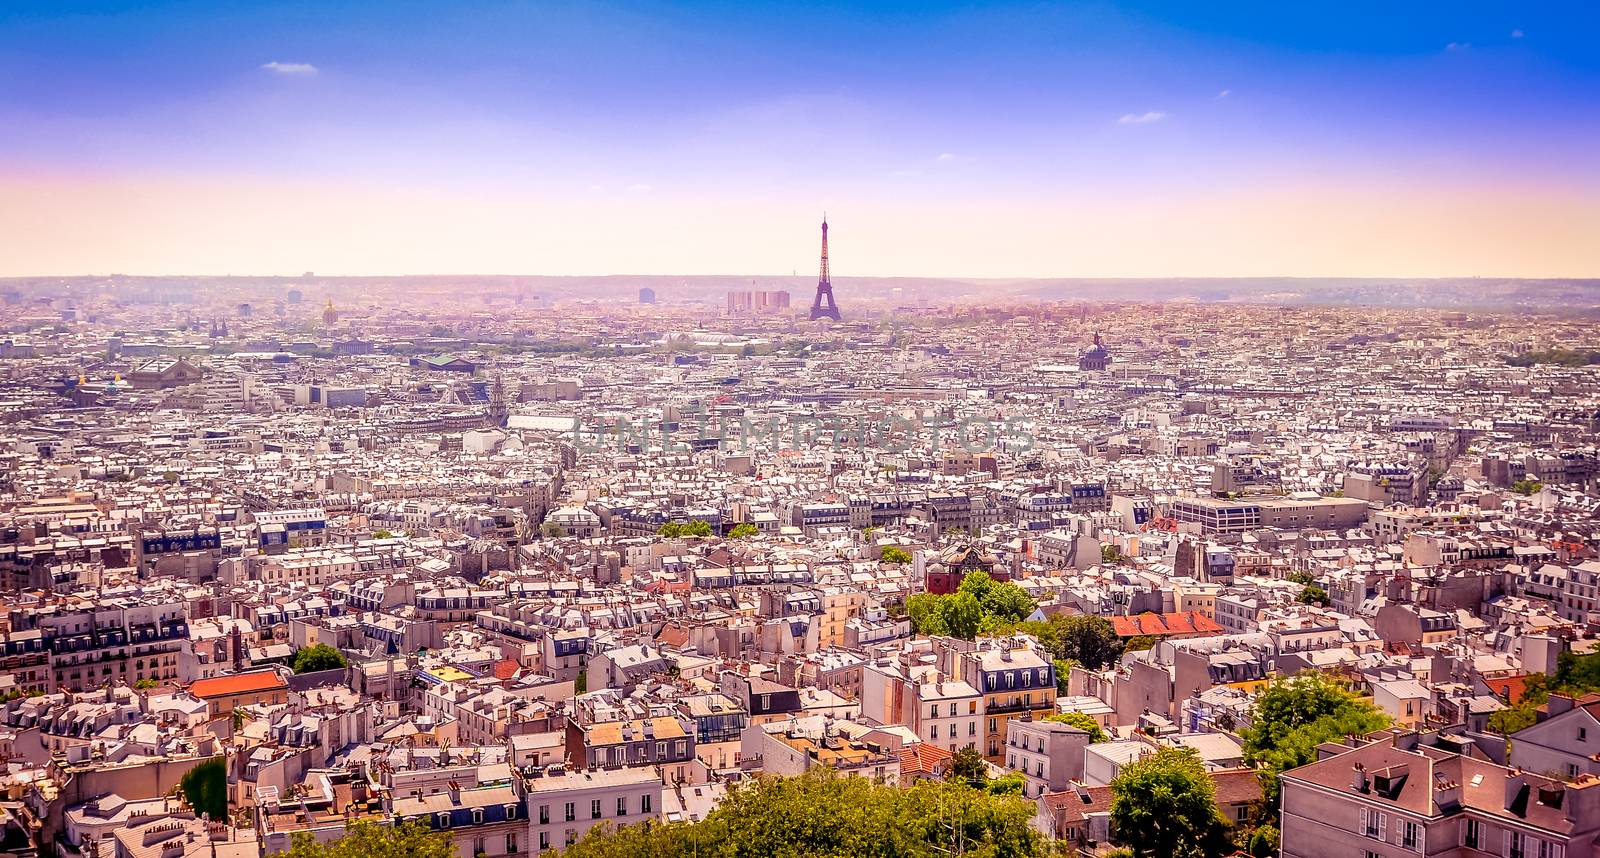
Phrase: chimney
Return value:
(1360, 780)
(1560, 703)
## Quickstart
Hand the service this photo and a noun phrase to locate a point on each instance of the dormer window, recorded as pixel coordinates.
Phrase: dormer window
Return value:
(444, 820)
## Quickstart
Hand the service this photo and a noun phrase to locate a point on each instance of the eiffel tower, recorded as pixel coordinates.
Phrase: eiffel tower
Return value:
(823, 307)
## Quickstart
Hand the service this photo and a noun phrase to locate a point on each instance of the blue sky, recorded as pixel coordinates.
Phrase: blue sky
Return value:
(962, 139)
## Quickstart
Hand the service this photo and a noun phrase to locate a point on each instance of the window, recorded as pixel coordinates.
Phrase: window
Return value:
(511, 811)
(1550, 850)
(1472, 834)
(622, 805)
(572, 811)
(544, 840)
(1583, 734)
(594, 809)
(1373, 823)
(1516, 844)
(511, 844)
(572, 836)
(1410, 834)
(477, 818)
(444, 820)
(644, 803)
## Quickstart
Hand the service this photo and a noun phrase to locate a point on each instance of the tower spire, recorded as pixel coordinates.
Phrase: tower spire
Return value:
(823, 306)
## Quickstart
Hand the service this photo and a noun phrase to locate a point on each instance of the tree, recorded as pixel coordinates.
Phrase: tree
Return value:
(894, 554)
(1166, 805)
(580, 685)
(365, 839)
(822, 814)
(382, 533)
(962, 614)
(142, 684)
(744, 530)
(1082, 722)
(1140, 643)
(1262, 842)
(205, 787)
(968, 767)
(552, 530)
(676, 529)
(1063, 668)
(1311, 594)
(927, 616)
(1110, 554)
(318, 657)
(1089, 641)
(1300, 577)
(1527, 487)
(1293, 717)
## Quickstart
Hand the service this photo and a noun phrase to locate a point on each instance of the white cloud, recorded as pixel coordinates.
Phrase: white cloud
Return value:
(1458, 46)
(1225, 93)
(301, 69)
(947, 156)
(1516, 34)
(1141, 118)
(639, 188)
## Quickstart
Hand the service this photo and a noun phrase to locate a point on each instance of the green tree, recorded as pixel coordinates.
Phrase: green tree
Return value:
(205, 787)
(1110, 554)
(1293, 717)
(552, 530)
(743, 530)
(1262, 842)
(822, 814)
(365, 839)
(962, 614)
(1063, 674)
(318, 657)
(1300, 577)
(1166, 805)
(1140, 643)
(145, 683)
(894, 554)
(382, 533)
(1527, 486)
(1311, 594)
(697, 527)
(580, 685)
(968, 767)
(1010, 783)
(1082, 722)
(1578, 674)
(927, 614)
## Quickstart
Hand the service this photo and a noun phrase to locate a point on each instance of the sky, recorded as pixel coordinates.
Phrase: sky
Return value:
(1036, 139)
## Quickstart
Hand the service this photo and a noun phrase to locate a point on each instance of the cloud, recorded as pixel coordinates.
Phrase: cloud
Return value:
(1141, 118)
(1225, 93)
(640, 188)
(298, 69)
(1458, 46)
(1516, 34)
(947, 156)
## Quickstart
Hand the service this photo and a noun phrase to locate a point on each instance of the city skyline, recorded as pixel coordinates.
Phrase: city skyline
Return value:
(1053, 140)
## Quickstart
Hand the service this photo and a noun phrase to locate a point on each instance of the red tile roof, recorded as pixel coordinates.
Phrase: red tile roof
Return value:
(254, 682)
(922, 759)
(1161, 625)
(1508, 688)
(506, 668)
